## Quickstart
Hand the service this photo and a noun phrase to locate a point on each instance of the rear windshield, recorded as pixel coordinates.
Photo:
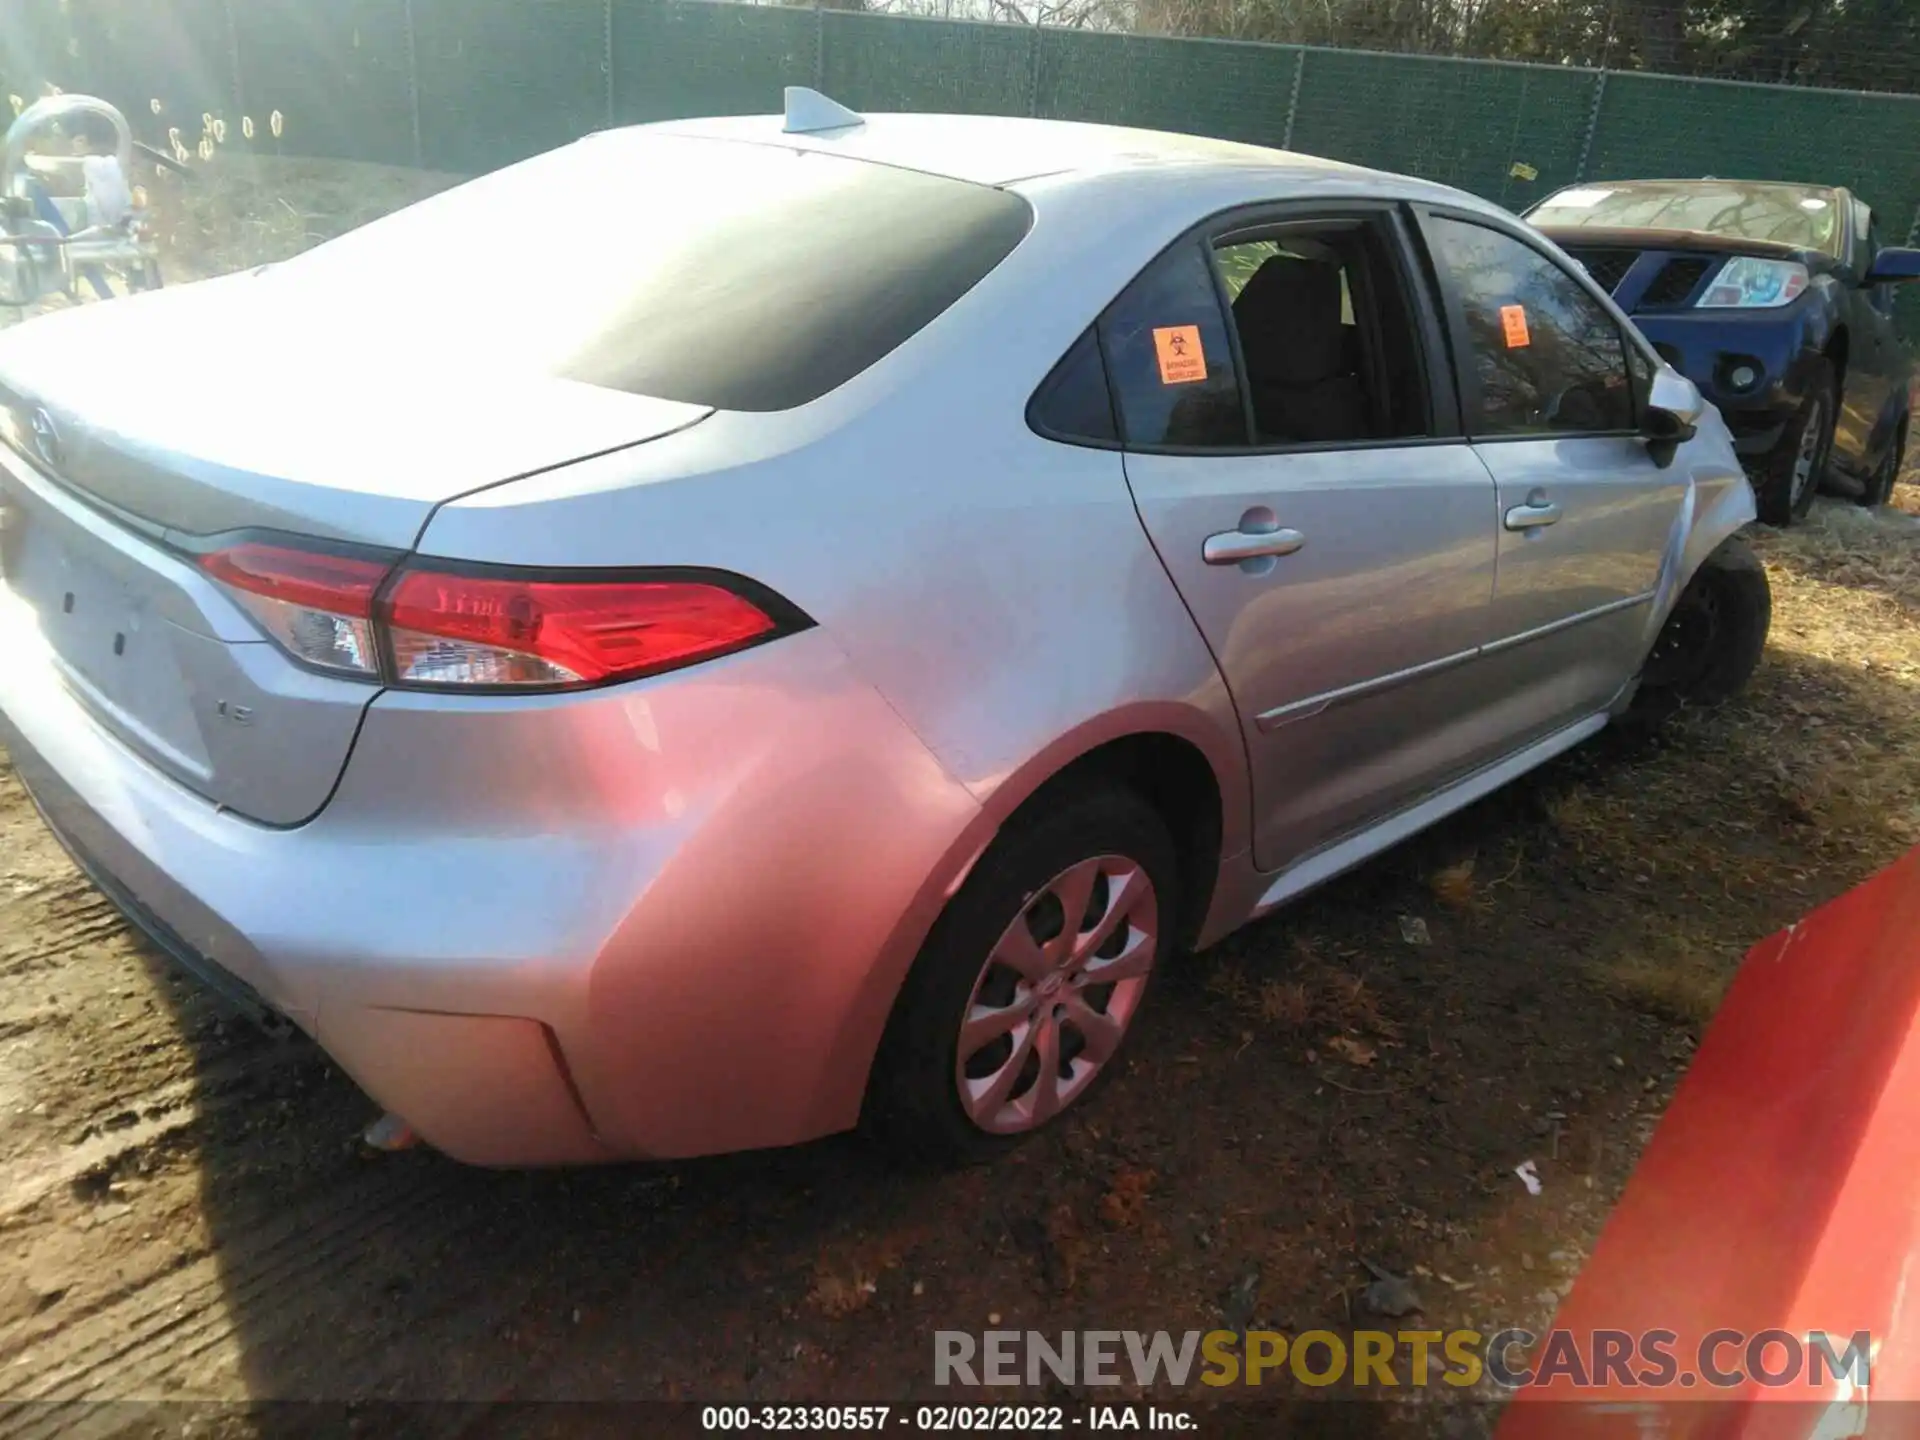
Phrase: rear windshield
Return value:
(745, 277)
(1797, 215)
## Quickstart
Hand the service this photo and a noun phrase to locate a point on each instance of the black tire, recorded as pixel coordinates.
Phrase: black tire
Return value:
(1879, 489)
(1713, 639)
(1778, 497)
(913, 1107)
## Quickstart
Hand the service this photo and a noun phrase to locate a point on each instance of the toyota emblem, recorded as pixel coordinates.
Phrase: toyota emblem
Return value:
(46, 437)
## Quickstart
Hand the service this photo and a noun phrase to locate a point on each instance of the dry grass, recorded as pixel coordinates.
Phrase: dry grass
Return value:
(1823, 753)
(1681, 980)
(1314, 997)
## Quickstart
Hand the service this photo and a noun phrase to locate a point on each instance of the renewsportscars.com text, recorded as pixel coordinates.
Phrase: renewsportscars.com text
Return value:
(1512, 1359)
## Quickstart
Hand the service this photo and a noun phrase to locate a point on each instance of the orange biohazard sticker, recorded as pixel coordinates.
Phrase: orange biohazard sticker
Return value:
(1513, 320)
(1182, 361)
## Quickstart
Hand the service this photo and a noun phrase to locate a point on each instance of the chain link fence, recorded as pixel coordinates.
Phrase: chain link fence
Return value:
(469, 85)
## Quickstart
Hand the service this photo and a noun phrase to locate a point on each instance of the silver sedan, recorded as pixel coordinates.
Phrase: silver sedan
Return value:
(806, 647)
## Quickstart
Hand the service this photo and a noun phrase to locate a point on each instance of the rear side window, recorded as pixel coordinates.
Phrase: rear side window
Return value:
(1074, 403)
(1543, 357)
(745, 277)
(1170, 360)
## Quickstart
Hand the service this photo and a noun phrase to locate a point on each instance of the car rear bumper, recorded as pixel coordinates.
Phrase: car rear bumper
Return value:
(663, 919)
(158, 933)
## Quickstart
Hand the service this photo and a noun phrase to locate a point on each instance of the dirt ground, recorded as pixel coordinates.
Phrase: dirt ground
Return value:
(187, 1212)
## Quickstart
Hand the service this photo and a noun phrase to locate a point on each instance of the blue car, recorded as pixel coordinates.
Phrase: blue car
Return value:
(1777, 301)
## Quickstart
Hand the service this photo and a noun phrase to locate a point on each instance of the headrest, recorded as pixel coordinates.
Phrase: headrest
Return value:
(1288, 315)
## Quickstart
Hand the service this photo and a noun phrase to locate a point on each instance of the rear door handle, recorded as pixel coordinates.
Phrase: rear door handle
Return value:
(1532, 517)
(1230, 547)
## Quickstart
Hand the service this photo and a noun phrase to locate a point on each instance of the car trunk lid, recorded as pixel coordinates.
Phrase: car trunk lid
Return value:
(135, 430)
(240, 403)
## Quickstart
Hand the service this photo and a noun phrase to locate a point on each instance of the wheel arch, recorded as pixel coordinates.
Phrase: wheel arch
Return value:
(1719, 503)
(1189, 763)
(1178, 758)
(1173, 775)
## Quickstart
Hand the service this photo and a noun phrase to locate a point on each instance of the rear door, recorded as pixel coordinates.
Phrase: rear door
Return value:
(1550, 398)
(1306, 487)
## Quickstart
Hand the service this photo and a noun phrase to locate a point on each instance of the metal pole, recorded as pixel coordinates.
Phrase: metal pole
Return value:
(413, 90)
(1593, 125)
(1613, 28)
(606, 55)
(1033, 65)
(1293, 97)
(1513, 140)
(233, 58)
(819, 46)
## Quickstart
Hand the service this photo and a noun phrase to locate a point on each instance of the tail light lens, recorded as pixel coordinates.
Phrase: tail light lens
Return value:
(417, 625)
(455, 629)
(317, 604)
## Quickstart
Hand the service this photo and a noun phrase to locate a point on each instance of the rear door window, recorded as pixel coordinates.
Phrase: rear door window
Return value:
(1328, 347)
(745, 277)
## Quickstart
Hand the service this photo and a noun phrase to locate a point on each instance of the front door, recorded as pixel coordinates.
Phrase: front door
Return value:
(1588, 514)
(1331, 534)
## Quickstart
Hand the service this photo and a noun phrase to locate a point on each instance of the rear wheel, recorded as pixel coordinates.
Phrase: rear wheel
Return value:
(1031, 980)
(1791, 473)
(1880, 488)
(1711, 643)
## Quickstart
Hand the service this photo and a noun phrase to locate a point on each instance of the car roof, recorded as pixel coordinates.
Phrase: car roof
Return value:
(1005, 150)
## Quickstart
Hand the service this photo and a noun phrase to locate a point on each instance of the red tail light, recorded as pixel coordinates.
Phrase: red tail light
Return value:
(427, 626)
(449, 628)
(317, 604)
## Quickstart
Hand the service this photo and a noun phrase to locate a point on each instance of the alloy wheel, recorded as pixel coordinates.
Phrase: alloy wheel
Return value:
(1056, 994)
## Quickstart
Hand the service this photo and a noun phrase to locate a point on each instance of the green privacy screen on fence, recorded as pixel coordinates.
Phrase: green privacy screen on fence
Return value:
(468, 85)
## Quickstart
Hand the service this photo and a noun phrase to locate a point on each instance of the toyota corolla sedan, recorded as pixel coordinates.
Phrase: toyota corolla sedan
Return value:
(809, 653)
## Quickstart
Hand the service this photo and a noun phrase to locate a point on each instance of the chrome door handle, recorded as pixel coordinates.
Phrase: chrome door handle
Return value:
(1230, 547)
(1532, 517)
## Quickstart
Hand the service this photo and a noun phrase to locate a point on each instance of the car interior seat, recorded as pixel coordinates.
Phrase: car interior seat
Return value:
(1302, 362)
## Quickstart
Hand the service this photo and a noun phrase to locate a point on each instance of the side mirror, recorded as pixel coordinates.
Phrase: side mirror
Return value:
(1673, 410)
(1893, 266)
(1674, 406)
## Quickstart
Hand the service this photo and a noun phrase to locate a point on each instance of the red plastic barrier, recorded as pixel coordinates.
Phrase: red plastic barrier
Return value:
(1780, 1192)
